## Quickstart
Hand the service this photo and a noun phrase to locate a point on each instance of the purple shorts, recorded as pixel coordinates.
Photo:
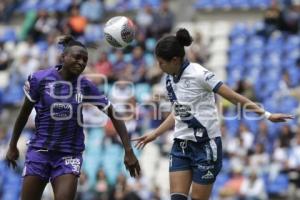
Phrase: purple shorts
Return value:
(49, 164)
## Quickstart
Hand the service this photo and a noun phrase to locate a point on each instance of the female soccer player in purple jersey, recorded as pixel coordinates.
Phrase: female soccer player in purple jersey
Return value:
(196, 155)
(55, 151)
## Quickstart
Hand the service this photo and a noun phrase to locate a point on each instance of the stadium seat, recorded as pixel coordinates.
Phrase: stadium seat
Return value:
(262, 4)
(242, 4)
(239, 29)
(63, 5)
(150, 44)
(220, 29)
(142, 91)
(48, 5)
(204, 4)
(279, 186)
(9, 34)
(28, 5)
(222, 4)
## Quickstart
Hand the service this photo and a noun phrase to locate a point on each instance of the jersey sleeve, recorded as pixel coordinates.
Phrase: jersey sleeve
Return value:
(95, 97)
(210, 82)
(31, 88)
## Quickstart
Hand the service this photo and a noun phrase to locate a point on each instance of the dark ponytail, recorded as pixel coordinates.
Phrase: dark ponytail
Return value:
(183, 37)
(173, 46)
(68, 41)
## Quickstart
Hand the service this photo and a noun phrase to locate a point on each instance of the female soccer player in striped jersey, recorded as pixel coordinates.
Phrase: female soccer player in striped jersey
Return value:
(55, 150)
(196, 155)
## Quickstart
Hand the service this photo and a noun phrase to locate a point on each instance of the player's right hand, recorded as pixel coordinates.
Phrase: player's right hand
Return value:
(12, 156)
(143, 140)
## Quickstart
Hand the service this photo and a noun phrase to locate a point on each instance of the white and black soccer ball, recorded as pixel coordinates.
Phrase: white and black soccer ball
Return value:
(119, 31)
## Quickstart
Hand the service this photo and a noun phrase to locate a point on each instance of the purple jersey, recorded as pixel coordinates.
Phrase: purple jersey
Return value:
(58, 106)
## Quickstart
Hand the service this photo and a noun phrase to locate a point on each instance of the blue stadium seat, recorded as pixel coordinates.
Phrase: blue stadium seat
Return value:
(94, 33)
(9, 34)
(150, 44)
(239, 29)
(292, 43)
(63, 5)
(279, 186)
(260, 3)
(28, 5)
(142, 91)
(244, 4)
(255, 44)
(48, 5)
(150, 61)
(204, 4)
(112, 161)
(222, 4)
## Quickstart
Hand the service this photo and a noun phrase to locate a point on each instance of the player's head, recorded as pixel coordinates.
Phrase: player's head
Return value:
(74, 56)
(170, 51)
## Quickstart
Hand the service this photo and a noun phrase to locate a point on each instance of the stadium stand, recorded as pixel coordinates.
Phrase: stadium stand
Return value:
(258, 61)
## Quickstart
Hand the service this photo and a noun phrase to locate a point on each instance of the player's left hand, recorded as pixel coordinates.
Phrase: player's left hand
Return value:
(132, 164)
(279, 117)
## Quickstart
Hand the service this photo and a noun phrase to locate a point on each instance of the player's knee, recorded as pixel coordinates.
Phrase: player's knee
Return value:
(178, 196)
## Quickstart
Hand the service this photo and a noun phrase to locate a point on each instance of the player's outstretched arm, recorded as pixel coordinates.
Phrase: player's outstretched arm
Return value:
(13, 153)
(130, 159)
(145, 139)
(236, 98)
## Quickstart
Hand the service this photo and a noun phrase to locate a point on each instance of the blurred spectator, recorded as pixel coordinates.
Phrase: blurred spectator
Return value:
(253, 187)
(271, 21)
(139, 65)
(104, 66)
(4, 57)
(83, 191)
(7, 8)
(246, 136)
(140, 185)
(77, 23)
(289, 19)
(43, 25)
(232, 187)
(163, 21)
(119, 189)
(119, 65)
(260, 159)
(198, 52)
(101, 187)
(144, 19)
(92, 10)
(245, 88)
(28, 47)
(263, 137)
(4, 138)
(52, 52)
(294, 166)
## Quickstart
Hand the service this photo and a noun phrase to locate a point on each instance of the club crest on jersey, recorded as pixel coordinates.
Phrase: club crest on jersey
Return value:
(78, 96)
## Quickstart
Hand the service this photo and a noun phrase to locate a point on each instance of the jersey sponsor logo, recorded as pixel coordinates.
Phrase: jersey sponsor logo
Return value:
(61, 111)
(208, 175)
(182, 110)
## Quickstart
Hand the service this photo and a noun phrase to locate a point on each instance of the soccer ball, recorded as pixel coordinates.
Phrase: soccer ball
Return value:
(119, 31)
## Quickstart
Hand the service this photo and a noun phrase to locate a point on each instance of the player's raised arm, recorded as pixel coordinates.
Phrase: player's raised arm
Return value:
(145, 139)
(13, 153)
(130, 160)
(236, 98)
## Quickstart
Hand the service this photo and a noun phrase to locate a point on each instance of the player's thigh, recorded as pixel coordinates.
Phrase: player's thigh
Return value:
(65, 186)
(32, 188)
(180, 181)
(201, 191)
